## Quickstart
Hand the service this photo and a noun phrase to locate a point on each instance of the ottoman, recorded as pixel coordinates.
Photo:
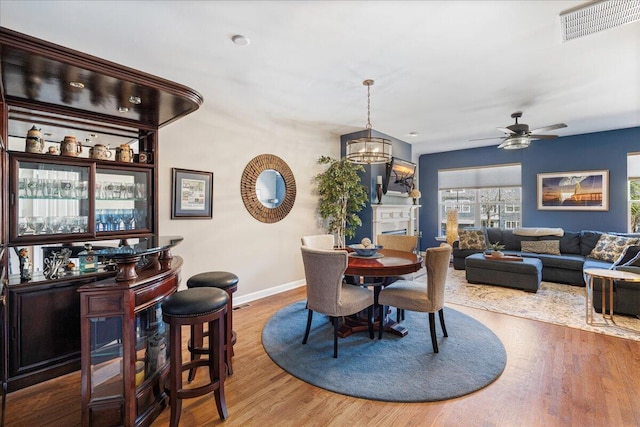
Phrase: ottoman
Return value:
(525, 274)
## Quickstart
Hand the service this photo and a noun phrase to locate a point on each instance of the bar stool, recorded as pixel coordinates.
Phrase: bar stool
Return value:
(196, 307)
(228, 282)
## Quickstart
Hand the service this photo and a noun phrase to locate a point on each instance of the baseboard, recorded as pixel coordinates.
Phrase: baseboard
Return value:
(244, 299)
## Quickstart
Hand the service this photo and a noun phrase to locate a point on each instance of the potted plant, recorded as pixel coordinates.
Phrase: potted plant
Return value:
(496, 249)
(342, 196)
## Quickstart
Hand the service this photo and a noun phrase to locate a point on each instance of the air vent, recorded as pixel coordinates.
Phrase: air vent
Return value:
(598, 16)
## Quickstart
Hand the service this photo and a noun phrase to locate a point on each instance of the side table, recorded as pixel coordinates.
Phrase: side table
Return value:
(607, 276)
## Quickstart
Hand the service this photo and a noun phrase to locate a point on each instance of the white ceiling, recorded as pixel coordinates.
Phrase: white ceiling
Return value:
(449, 70)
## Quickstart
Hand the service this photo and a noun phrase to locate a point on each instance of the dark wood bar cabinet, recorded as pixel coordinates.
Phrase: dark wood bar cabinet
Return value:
(79, 139)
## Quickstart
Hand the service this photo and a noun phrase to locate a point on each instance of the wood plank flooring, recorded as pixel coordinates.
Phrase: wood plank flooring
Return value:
(555, 376)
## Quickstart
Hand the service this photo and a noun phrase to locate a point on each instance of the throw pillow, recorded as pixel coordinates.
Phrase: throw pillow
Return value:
(629, 255)
(541, 246)
(610, 247)
(472, 239)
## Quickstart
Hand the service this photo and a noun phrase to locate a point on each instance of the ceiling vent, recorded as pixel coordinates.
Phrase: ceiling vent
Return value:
(598, 16)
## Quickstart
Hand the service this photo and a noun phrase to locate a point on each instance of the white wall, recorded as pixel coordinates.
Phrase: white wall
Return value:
(266, 257)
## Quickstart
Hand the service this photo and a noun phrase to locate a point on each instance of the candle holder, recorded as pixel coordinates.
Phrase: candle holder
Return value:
(379, 193)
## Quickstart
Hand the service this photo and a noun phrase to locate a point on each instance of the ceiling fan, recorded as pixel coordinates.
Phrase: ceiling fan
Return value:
(519, 136)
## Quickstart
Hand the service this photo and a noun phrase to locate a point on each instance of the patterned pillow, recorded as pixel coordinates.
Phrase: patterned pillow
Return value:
(610, 247)
(541, 246)
(472, 239)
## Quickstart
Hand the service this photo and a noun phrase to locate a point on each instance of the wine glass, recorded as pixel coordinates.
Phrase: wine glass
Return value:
(35, 223)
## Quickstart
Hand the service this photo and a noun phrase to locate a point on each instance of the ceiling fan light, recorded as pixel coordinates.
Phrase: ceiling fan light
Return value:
(515, 143)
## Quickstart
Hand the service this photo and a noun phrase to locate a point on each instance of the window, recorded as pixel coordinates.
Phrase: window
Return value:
(633, 192)
(484, 197)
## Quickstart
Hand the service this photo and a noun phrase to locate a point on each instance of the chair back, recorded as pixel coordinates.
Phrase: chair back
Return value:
(398, 242)
(324, 270)
(436, 262)
(318, 241)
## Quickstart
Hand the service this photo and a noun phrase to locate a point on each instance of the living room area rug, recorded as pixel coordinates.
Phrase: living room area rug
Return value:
(555, 303)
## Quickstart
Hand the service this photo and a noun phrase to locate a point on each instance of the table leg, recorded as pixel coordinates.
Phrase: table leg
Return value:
(588, 302)
(611, 300)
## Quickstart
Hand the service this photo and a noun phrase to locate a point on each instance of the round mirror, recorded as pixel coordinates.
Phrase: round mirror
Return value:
(268, 188)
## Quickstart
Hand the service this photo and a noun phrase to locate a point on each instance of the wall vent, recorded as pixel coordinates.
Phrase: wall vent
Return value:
(598, 16)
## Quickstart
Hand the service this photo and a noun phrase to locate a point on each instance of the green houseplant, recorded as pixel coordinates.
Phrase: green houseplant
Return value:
(342, 196)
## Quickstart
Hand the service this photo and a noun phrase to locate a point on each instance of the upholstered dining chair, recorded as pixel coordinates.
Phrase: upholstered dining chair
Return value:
(327, 294)
(318, 241)
(415, 296)
(405, 244)
(398, 242)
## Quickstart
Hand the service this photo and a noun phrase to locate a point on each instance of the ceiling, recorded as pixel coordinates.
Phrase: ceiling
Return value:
(449, 71)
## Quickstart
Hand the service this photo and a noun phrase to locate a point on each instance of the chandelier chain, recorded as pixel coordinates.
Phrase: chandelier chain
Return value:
(368, 106)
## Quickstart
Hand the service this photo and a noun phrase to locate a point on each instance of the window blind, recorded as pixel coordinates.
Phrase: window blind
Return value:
(482, 177)
(633, 165)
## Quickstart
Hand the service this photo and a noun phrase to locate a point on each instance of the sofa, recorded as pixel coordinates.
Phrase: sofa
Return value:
(570, 254)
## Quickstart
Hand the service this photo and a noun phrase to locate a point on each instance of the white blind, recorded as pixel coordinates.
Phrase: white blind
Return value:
(487, 176)
(633, 165)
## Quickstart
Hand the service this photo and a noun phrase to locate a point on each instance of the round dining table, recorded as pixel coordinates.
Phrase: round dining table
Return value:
(378, 271)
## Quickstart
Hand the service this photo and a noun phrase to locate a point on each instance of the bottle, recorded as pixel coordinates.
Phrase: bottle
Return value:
(88, 260)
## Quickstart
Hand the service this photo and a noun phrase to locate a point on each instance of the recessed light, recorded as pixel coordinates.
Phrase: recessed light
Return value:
(414, 134)
(77, 85)
(135, 100)
(123, 109)
(240, 40)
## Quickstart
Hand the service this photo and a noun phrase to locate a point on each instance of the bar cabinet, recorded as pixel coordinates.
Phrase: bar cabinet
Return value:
(79, 153)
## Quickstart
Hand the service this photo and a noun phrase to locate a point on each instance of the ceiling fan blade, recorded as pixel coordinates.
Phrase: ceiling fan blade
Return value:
(543, 136)
(548, 128)
(506, 130)
(483, 139)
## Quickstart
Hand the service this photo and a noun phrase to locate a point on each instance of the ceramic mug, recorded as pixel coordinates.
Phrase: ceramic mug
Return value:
(124, 153)
(34, 140)
(70, 147)
(100, 152)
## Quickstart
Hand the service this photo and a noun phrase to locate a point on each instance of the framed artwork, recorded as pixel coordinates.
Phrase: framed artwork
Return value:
(574, 191)
(192, 194)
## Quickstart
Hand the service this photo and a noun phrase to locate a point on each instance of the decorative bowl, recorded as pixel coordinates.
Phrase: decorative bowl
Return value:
(361, 251)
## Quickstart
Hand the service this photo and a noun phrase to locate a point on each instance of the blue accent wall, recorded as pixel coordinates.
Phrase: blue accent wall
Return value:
(401, 150)
(593, 151)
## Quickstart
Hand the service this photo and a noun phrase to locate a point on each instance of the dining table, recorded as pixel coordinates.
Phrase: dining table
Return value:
(377, 271)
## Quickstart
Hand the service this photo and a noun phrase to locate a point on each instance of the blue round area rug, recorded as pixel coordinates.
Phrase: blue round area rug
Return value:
(393, 369)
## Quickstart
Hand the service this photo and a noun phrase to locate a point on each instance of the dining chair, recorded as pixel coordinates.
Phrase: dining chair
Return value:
(318, 241)
(327, 294)
(398, 242)
(415, 296)
(401, 243)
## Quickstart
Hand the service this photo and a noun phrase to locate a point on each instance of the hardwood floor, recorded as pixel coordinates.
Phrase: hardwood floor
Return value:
(555, 376)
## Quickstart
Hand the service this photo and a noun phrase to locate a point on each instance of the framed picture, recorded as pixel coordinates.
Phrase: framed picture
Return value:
(574, 191)
(192, 195)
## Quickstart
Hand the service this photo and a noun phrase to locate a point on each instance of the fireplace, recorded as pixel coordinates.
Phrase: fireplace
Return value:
(394, 219)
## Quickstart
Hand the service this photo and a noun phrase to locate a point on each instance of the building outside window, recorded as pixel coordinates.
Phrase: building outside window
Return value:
(482, 207)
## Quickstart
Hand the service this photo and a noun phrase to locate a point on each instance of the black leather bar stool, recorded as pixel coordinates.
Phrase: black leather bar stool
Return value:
(229, 283)
(196, 307)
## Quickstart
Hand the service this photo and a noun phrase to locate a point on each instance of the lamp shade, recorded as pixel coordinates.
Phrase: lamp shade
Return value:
(452, 225)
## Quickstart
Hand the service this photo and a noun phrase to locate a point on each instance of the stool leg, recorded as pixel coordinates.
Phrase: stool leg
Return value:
(228, 335)
(197, 340)
(175, 373)
(217, 371)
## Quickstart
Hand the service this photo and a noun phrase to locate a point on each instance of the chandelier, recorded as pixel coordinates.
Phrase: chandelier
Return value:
(369, 149)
